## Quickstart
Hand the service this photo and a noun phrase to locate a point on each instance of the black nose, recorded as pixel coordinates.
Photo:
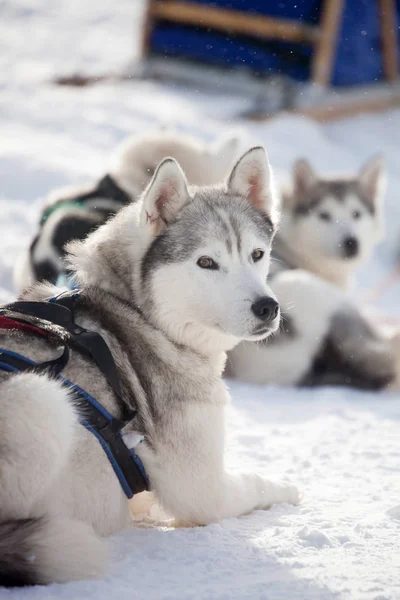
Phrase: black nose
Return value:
(350, 246)
(265, 308)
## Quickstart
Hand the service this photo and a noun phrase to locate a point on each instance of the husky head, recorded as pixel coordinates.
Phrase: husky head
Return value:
(335, 221)
(194, 260)
(136, 160)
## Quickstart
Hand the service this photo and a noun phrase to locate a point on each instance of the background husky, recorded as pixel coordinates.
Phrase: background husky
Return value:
(328, 226)
(73, 212)
(196, 263)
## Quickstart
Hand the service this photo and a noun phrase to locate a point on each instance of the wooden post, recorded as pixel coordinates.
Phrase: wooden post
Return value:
(322, 63)
(147, 27)
(389, 27)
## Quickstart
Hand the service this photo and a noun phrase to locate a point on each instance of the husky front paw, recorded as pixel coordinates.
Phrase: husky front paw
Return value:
(279, 492)
(288, 493)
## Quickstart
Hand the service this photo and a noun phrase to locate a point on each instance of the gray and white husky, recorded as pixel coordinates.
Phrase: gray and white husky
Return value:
(73, 212)
(172, 282)
(328, 227)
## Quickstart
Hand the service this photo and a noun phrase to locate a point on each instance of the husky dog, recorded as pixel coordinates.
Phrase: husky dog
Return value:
(73, 212)
(172, 282)
(328, 227)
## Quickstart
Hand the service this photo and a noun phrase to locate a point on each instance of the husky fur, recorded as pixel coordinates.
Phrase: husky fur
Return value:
(171, 283)
(324, 338)
(132, 167)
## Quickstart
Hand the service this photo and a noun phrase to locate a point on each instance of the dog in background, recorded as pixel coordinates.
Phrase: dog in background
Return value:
(328, 227)
(72, 213)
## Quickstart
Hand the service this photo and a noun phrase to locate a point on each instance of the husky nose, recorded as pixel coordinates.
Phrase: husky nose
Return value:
(265, 308)
(350, 246)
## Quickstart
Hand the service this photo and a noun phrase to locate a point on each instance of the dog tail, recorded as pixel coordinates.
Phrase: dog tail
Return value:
(49, 549)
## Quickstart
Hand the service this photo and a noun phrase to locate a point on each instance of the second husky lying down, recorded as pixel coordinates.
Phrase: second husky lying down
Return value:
(328, 227)
(171, 283)
(72, 213)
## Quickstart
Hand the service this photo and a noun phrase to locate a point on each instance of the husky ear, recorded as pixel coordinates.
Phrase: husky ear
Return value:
(251, 178)
(225, 146)
(166, 194)
(304, 178)
(372, 178)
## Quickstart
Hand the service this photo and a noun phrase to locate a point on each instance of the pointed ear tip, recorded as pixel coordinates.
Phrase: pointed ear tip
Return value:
(377, 161)
(232, 141)
(257, 152)
(258, 149)
(168, 160)
(301, 163)
(170, 164)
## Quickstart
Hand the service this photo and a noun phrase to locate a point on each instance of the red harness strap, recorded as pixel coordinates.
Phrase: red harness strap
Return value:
(7, 323)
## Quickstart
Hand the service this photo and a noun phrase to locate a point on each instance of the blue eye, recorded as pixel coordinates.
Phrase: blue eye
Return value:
(205, 262)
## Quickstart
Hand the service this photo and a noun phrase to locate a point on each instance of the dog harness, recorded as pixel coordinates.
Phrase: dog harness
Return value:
(106, 188)
(92, 212)
(54, 319)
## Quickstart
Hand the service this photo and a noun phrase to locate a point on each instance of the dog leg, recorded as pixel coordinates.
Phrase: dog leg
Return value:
(37, 424)
(189, 478)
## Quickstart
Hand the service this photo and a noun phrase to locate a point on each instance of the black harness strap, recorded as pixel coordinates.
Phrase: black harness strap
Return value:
(73, 225)
(54, 366)
(60, 313)
(109, 188)
(56, 318)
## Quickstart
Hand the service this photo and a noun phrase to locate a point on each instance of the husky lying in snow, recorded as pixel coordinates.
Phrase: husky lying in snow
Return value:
(72, 213)
(328, 227)
(171, 283)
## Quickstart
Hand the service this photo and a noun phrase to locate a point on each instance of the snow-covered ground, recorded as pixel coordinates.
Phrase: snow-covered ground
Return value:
(342, 447)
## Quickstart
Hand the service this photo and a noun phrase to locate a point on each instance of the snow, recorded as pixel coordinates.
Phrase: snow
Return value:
(342, 447)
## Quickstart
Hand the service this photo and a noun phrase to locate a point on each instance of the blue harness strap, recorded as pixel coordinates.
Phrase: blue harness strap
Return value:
(107, 429)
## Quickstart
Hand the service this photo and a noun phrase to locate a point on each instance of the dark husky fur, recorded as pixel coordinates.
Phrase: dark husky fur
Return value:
(73, 217)
(352, 354)
(17, 559)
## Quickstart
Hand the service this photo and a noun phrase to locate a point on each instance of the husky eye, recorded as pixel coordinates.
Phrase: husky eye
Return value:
(325, 216)
(356, 214)
(257, 254)
(205, 262)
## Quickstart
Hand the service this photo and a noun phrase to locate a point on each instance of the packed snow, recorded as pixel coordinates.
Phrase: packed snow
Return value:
(342, 447)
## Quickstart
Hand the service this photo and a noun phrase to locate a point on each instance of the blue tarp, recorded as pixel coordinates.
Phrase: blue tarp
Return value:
(358, 57)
